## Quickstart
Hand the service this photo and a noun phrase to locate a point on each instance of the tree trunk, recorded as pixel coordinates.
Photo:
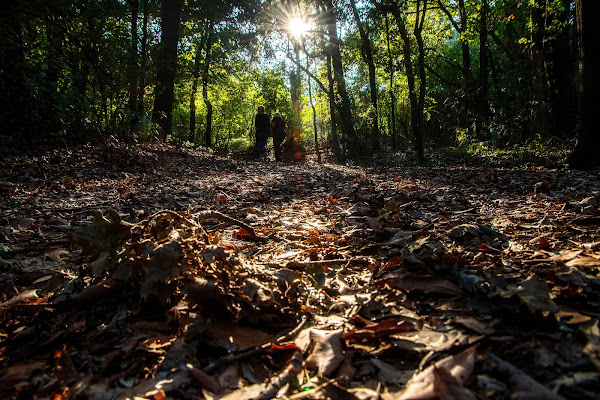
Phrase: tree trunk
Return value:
(483, 108)
(541, 115)
(367, 56)
(162, 115)
(416, 115)
(393, 133)
(195, 78)
(143, 62)
(314, 114)
(467, 70)
(335, 140)
(132, 105)
(419, 22)
(295, 122)
(15, 99)
(560, 67)
(585, 154)
(333, 49)
(205, 78)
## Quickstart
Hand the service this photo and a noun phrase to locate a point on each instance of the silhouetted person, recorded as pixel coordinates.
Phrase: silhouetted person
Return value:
(262, 127)
(278, 131)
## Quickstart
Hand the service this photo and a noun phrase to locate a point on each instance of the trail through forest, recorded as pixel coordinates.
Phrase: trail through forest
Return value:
(150, 272)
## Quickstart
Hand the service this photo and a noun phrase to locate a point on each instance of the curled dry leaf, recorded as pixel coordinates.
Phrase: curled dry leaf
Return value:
(327, 353)
(433, 381)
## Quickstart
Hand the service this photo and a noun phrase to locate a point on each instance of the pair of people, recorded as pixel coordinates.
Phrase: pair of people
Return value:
(265, 127)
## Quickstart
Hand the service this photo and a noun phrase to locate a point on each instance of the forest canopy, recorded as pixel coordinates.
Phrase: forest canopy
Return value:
(347, 75)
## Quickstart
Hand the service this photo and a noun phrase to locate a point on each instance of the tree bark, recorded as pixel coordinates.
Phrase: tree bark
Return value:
(144, 61)
(467, 69)
(393, 133)
(205, 78)
(367, 56)
(419, 22)
(541, 114)
(585, 154)
(133, 71)
(314, 114)
(162, 115)
(335, 140)
(483, 108)
(416, 114)
(333, 50)
(561, 73)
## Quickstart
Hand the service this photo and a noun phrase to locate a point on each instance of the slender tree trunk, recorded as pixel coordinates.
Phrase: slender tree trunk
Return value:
(483, 108)
(393, 132)
(162, 115)
(585, 154)
(195, 78)
(143, 62)
(470, 103)
(314, 114)
(367, 56)
(419, 22)
(335, 141)
(541, 113)
(133, 71)
(205, 78)
(410, 77)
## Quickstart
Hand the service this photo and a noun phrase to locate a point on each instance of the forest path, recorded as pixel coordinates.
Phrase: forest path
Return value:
(382, 271)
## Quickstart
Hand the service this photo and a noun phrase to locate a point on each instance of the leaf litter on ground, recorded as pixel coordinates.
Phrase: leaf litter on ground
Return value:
(151, 272)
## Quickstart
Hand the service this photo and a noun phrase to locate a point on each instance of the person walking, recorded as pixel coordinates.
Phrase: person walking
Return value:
(262, 128)
(278, 130)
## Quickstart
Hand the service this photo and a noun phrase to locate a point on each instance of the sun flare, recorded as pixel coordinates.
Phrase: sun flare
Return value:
(298, 27)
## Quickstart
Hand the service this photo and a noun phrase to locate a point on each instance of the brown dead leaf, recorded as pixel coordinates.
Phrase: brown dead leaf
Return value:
(584, 262)
(377, 330)
(432, 383)
(424, 283)
(327, 353)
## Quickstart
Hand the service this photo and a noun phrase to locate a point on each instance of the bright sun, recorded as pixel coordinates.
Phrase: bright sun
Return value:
(297, 27)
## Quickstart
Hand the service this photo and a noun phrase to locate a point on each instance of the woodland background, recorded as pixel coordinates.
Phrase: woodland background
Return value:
(362, 76)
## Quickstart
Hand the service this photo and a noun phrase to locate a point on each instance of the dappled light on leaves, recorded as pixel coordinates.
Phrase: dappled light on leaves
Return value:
(184, 275)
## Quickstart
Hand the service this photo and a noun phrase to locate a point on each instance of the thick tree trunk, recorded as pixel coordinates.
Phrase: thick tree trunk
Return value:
(585, 154)
(561, 72)
(367, 56)
(162, 115)
(295, 122)
(15, 99)
(333, 49)
(541, 113)
(416, 114)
